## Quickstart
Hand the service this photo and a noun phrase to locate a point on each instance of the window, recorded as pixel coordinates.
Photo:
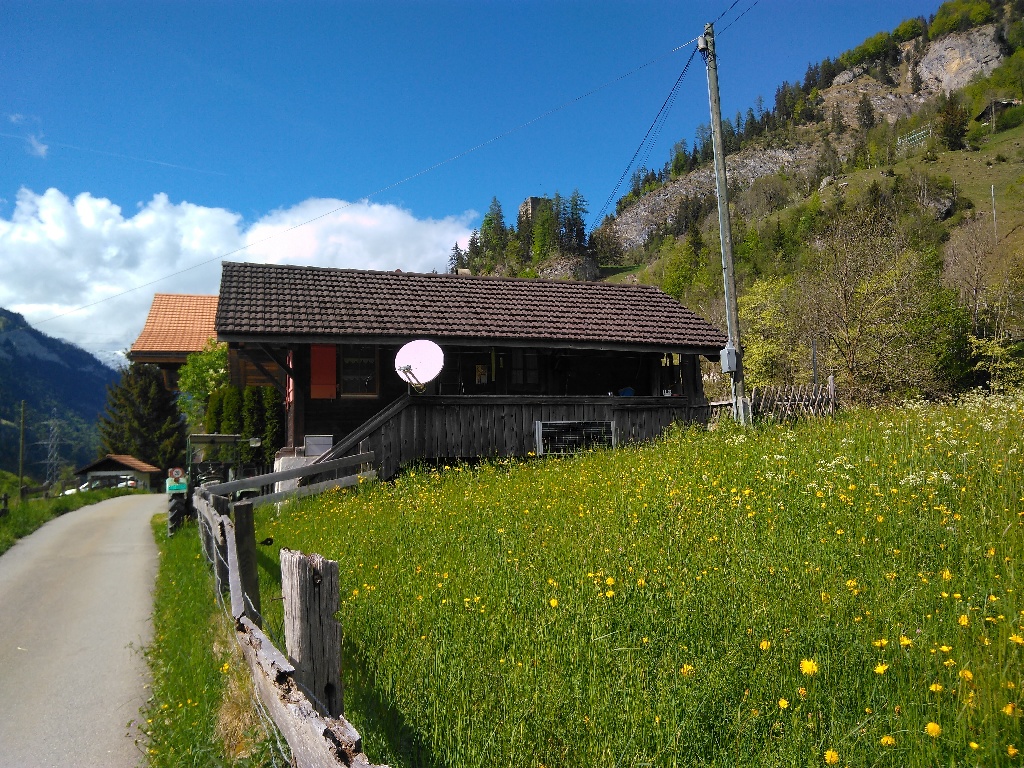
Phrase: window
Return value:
(359, 376)
(525, 368)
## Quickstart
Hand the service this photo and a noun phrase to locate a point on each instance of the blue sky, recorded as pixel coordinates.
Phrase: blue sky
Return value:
(138, 139)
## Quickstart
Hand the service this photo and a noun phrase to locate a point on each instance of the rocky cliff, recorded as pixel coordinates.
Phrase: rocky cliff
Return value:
(945, 65)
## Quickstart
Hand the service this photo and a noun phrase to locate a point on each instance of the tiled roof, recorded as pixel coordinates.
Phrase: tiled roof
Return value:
(178, 323)
(113, 460)
(258, 301)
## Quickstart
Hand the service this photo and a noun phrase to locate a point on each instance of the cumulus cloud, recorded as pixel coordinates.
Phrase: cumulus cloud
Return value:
(60, 254)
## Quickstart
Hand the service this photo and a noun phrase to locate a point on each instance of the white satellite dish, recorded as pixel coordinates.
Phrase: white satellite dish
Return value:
(419, 362)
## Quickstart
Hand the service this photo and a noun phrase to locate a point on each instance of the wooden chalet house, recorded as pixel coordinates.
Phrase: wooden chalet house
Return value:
(531, 366)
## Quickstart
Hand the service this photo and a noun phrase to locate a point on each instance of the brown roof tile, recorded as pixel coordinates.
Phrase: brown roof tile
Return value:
(178, 323)
(258, 301)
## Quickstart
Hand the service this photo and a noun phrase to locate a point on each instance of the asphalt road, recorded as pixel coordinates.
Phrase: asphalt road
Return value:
(75, 603)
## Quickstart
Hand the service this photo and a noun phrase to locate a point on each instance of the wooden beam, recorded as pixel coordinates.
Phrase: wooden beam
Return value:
(223, 489)
(245, 556)
(309, 584)
(309, 490)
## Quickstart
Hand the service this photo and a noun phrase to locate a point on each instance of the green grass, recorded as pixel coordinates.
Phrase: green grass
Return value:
(661, 605)
(200, 712)
(25, 518)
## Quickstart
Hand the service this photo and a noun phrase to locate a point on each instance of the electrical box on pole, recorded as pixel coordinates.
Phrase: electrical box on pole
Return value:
(732, 355)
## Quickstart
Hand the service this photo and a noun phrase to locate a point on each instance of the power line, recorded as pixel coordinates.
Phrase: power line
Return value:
(381, 190)
(749, 7)
(658, 119)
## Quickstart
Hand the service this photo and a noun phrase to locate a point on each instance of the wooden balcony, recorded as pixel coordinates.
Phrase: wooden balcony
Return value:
(463, 427)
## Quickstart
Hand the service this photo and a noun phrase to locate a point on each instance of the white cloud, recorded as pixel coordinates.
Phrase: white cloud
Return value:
(16, 119)
(36, 146)
(60, 254)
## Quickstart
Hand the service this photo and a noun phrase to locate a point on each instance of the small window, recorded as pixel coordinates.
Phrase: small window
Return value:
(359, 371)
(525, 368)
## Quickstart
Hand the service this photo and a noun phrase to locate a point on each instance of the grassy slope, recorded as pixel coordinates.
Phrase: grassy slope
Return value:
(656, 605)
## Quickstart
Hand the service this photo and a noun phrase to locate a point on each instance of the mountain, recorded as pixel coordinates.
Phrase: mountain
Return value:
(938, 67)
(50, 375)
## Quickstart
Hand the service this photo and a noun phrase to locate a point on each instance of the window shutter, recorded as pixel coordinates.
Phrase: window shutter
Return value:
(323, 373)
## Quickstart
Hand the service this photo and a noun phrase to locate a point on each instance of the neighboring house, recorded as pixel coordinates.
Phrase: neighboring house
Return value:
(519, 354)
(113, 466)
(177, 326)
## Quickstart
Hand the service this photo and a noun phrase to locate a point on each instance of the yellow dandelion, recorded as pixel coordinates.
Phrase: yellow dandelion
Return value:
(967, 675)
(905, 642)
(887, 741)
(881, 643)
(831, 757)
(1015, 638)
(881, 669)
(609, 581)
(783, 704)
(1010, 709)
(808, 667)
(974, 745)
(964, 620)
(610, 593)
(1012, 751)
(764, 645)
(933, 729)
(686, 670)
(802, 692)
(935, 687)
(553, 602)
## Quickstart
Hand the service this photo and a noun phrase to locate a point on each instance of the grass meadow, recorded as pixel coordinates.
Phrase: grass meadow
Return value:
(838, 592)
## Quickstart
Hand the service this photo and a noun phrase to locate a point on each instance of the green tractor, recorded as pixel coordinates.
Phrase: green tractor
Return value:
(181, 482)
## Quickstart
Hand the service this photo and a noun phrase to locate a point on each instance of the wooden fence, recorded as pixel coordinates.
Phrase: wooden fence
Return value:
(786, 403)
(302, 690)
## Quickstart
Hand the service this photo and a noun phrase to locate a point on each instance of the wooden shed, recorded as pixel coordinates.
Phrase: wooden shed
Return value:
(530, 365)
(114, 466)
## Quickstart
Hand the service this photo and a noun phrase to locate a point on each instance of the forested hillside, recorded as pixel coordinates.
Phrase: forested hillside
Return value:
(876, 207)
(51, 376)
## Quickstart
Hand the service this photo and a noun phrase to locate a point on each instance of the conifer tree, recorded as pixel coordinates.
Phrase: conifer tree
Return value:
(273, 423)
(142, 419)
(253, 424)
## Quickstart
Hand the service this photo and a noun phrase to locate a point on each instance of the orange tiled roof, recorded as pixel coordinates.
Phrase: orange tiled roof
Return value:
(178, 323)
(116, 461)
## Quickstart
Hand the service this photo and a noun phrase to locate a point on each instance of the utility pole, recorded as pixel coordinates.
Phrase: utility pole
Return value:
(732, 355)
(21, 457)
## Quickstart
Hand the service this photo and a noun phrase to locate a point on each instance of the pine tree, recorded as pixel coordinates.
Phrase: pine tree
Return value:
(253, 424)
(273, 423)
(865, 112)
(142, 419)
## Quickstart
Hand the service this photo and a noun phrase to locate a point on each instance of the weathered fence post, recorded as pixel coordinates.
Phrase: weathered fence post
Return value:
(245, 550)
(309, 584)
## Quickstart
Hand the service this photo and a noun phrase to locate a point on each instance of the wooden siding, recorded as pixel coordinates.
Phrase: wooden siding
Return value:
(443, 427)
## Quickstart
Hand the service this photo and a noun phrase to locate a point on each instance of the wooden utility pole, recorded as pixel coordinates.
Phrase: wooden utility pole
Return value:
(21, 457)
(732, 355)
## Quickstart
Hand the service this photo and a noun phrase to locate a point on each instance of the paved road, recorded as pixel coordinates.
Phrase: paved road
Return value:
(75, 603)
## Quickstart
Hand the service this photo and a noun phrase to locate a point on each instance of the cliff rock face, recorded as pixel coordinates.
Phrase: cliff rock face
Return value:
(952, 61)
(948, 63)
(635, 224)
